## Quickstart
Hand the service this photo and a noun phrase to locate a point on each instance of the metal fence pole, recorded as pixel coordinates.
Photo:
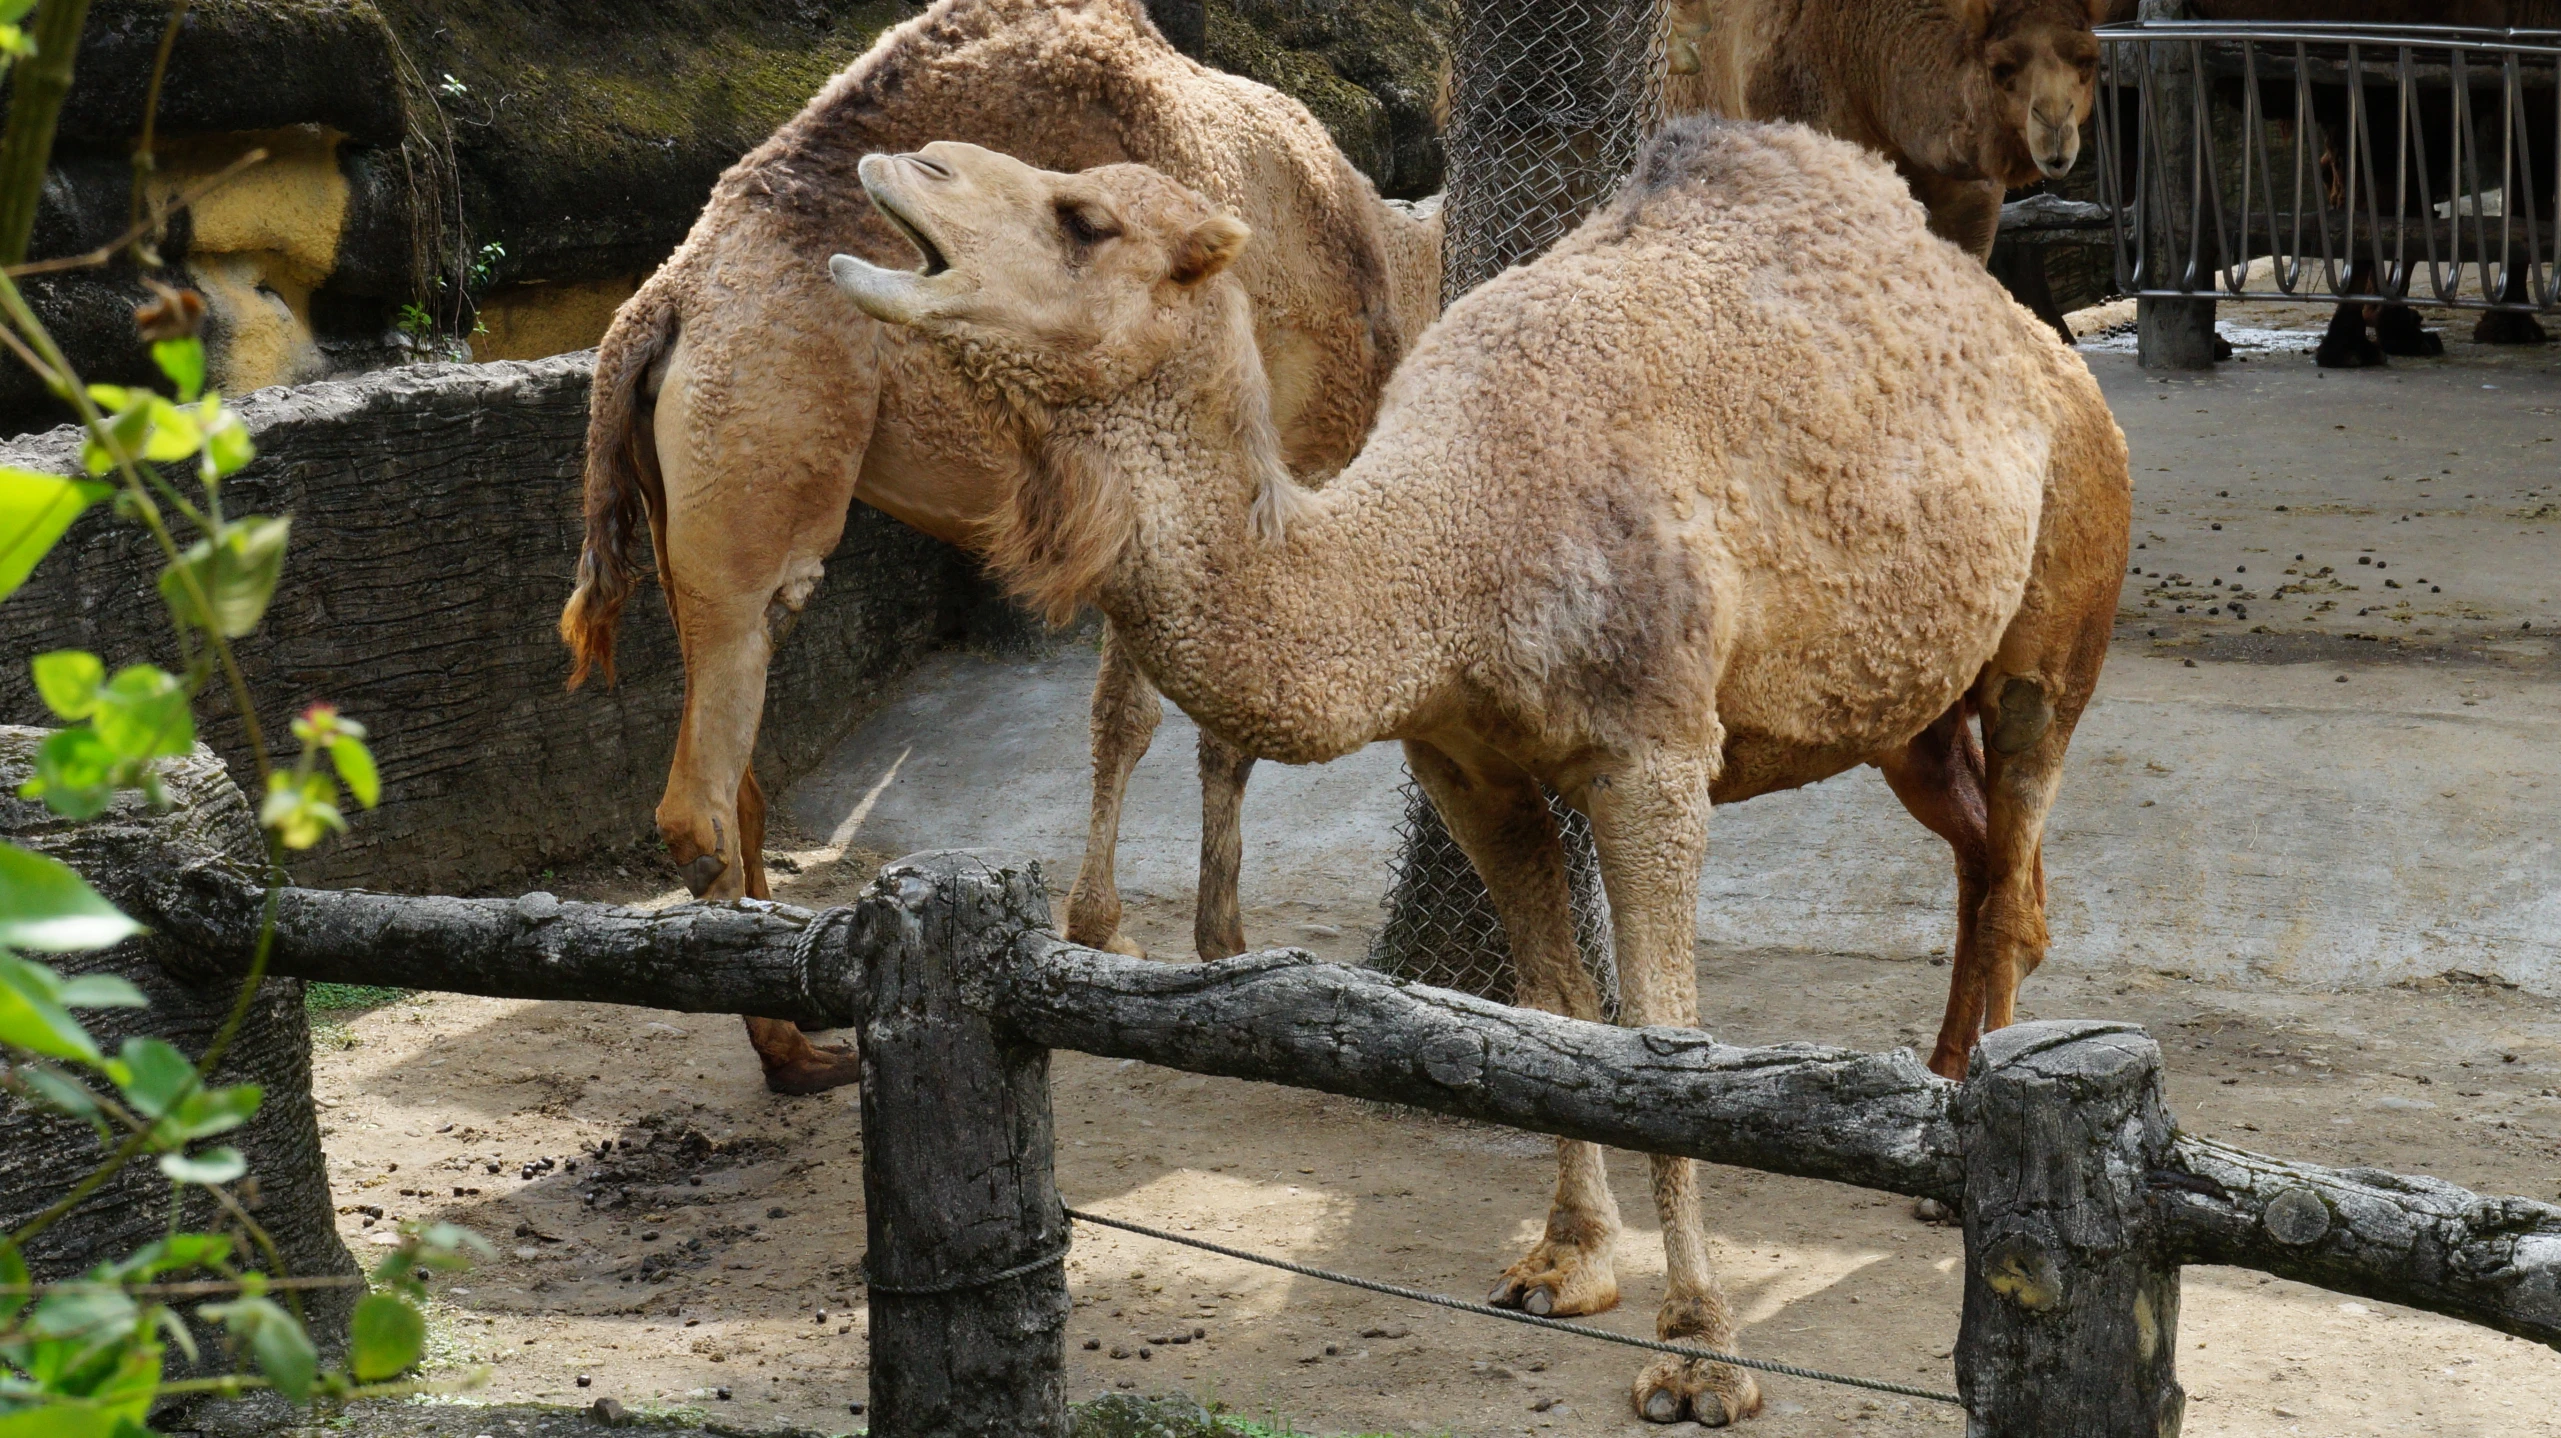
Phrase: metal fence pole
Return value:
(2174, 333)
(1551, 101)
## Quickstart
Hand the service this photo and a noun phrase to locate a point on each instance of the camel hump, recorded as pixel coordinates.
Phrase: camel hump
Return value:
(1753, 167)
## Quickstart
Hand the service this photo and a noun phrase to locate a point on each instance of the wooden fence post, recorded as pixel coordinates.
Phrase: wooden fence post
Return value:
(967, 1240)
(2071, 1300)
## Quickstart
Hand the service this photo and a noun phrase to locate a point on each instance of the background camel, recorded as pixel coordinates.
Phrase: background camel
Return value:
(740, 403)
(1965, 98)
(1665, 518)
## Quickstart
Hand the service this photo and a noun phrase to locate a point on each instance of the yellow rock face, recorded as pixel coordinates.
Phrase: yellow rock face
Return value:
(262, 243)
(533, 321)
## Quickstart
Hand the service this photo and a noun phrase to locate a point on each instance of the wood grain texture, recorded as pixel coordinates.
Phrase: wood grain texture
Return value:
(2417, 1241)
(436, 526)
(1876, 1120)
(2071, 1321)
(968, 1294)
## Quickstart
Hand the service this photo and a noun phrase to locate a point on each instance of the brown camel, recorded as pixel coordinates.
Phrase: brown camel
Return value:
(741, 404)
(1668, 517)
(1966, 98)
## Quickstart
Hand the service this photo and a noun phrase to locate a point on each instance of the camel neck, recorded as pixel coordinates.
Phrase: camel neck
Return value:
(1302, 649)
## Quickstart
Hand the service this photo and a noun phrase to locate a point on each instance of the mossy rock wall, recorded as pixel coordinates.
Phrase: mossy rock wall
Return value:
(436, 527)
(1375, 72)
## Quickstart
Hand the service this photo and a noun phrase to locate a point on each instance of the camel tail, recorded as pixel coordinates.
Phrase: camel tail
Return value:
(623, 485)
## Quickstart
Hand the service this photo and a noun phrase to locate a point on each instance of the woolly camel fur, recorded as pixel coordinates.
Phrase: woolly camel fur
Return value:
(741, 403)
(1965, 98)
(1669, 517)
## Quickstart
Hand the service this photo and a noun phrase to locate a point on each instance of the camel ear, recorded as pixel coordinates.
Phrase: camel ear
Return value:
(1209, 248)
(1974, 17)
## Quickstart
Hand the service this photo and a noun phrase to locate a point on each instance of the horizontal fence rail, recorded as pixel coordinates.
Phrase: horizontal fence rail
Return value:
(1878, 1121)
(2080, 1197)
(2328, 162)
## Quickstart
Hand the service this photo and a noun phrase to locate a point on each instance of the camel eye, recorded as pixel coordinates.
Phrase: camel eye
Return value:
(1084, 229)
(2005, 72)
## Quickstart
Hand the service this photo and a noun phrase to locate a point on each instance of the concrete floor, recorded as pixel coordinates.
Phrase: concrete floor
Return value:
(2349, 783)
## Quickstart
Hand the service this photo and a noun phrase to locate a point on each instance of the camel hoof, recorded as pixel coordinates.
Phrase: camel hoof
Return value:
(1539, 1302)
(702, 873)
(822, 1069)
(1121, 943)
(1662, 1406)
(2360, 353)
(2508, 327)
(1930, 1210)
(1504, 1294)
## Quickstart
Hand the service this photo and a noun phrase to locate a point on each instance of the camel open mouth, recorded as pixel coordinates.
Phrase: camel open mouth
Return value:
(935, 262)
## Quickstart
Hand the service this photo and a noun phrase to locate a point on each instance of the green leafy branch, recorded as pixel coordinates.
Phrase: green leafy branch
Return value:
(85, 1358)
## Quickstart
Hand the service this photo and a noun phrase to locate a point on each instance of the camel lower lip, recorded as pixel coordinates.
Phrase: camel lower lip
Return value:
(935, 262)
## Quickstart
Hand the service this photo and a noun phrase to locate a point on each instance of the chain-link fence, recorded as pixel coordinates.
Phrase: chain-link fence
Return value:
(1551, 101)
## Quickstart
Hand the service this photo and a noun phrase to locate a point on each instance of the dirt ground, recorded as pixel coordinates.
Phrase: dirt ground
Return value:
(707, 1262)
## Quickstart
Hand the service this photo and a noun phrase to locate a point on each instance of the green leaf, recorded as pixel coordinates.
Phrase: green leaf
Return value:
(174, 432)
(13, 1270)
(143, 714)
(59, 1420)
(46, 907)
(175, 1253)
(214, 1165)
(100, 991)
(301, 809)
(183, 361)
(228, 448)
(237, 570)
(34, 511)
(61, 1091)
(283, 1350)
(156, 1075)
(210, 1111)
(354, 763)
(69, 679)
(32, 1016)
(388, 1336)
(125, 430)
(75, 775)
(72, 1312)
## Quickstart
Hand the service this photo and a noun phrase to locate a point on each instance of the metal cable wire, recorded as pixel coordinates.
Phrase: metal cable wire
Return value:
(1482, 1310)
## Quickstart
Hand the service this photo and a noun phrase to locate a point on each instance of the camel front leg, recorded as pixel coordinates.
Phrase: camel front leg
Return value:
(1125, 714)
(1649, 823)
(1499, 816)
(1218, 924)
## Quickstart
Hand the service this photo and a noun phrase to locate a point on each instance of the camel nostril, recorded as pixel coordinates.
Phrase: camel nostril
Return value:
(702, 873)
(939, 172)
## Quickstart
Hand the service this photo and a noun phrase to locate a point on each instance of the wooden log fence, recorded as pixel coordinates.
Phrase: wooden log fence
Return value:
(2081, 1200)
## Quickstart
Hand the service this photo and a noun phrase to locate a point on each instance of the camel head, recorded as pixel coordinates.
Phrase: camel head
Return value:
(1055, 291)
(2043, 64)
(1050, 287)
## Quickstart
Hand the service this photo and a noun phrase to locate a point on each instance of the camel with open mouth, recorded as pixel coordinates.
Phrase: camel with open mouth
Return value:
(1666, 518)
(741, 403)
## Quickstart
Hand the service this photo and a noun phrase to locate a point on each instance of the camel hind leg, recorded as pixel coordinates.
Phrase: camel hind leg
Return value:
(2031, 697)
(1218, 926)
(1939, 777)
(1499, 816)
